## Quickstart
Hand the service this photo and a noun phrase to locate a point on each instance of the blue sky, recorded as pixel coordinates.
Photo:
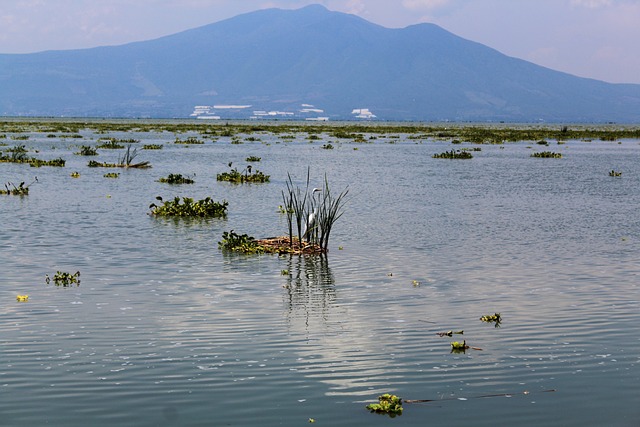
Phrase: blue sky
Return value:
(589, 38)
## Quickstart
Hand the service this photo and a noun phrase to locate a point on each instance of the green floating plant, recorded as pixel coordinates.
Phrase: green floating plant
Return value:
(388, 404)
(176, 179)
(64, 279)
(454, 154)
(189, 141)
(190, 208)
(253, 159)
(86, 150)
(615, 173)
(461, 347)
(455, 345)
(547, 155)
(234, 242)
(492, 318)
(241, 177)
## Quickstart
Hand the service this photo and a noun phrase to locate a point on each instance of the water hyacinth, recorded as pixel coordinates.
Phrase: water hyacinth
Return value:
(205, 208)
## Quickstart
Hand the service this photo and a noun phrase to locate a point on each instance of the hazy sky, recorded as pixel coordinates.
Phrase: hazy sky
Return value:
(589, 38)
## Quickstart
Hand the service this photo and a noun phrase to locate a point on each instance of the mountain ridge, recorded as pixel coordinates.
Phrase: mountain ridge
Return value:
(277, 60)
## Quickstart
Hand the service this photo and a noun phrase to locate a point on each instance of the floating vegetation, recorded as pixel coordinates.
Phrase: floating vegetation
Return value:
(461, 347)
(22, 298)
(19, 155)
(111, 175)
(152, 147)
(176, 179)
(75, 174)
(388, 404)
(36, 163)
(190, 140)
(111, 144)
(455, 345)
(205, 208)
(615, 174)
(453, 154)
(64, 279)
(253, 159)
(243, 243)
(126, 161)
(547, 155)
(245, 176)
(87, 151)
(12, 190)
(492, 318)
(449, 333)
(327, 146)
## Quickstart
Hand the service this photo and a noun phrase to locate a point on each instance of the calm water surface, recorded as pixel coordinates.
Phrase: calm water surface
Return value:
(165, 330)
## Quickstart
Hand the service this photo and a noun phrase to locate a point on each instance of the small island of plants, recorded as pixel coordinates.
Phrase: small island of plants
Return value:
(453, 154)
(246, 175)
(187, 207)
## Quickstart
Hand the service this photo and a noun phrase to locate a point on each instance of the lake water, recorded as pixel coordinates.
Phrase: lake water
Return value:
(166, 330)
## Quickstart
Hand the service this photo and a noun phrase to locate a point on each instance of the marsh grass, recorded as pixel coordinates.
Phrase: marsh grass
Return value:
(124, 161)
(312, 219)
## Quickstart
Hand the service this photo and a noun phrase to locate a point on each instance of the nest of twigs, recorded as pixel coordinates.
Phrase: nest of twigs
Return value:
(284, 245)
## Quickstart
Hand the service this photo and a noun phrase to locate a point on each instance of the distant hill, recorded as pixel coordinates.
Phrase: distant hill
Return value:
(306, 63)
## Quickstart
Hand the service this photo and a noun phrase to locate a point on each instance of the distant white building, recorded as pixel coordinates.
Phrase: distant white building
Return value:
(363, 113)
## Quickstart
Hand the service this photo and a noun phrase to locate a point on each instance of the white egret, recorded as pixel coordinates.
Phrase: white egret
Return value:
(311, 219)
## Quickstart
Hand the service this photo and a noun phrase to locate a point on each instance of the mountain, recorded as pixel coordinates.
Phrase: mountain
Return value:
(289, 60)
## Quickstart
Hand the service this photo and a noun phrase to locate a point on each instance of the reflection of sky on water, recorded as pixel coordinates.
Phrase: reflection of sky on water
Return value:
(162, 317)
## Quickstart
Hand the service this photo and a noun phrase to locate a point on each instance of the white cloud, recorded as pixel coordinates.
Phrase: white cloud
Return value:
(424, 4)
(591, 4)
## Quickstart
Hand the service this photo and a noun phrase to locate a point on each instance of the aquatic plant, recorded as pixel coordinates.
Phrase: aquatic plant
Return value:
(329, 210)
(547, 154)
(152, 147)
(453, 154)
(64, 279)
(253, 159)
(243, 243)
(176, 179)
(87, 151)
(126, 161)
(615, 174)
(190, 208)
(449, 333)
(12, 190)
(22, 298)
(327, 146)
(455, 345)
(492, 318)
(388, 404)
(75, 174)
(461, 347)
(316, 215)
(111, 175)
(111, 144)
(36, 163)
(189, 141)
(246, 175)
